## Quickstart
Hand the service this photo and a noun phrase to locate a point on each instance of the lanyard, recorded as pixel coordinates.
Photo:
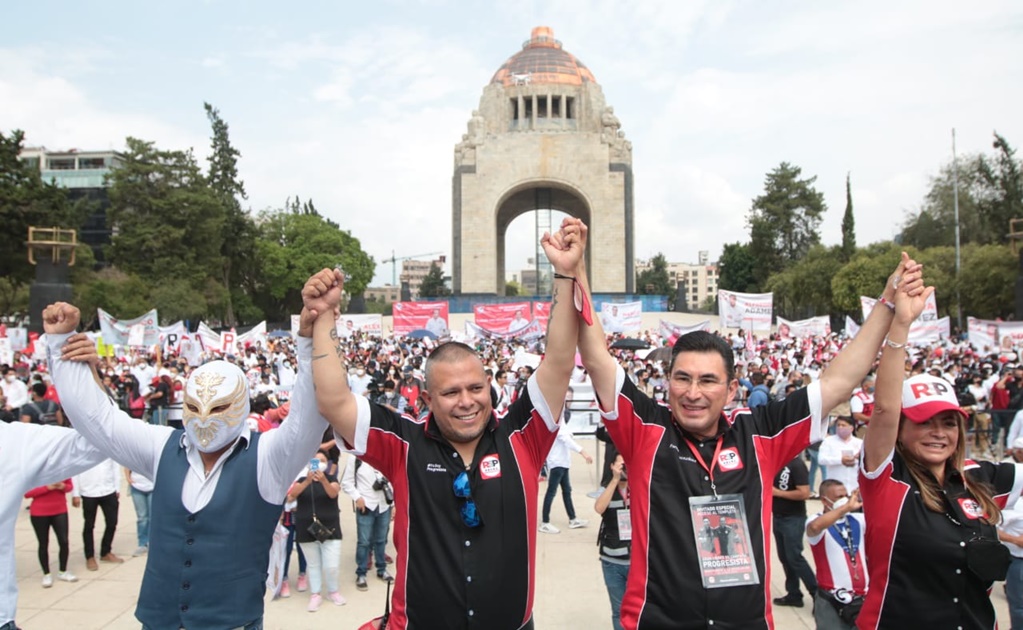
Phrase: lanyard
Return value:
(624, 492)
(713, 463)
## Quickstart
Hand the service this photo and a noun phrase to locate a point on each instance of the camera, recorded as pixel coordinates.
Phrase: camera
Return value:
(379, 484)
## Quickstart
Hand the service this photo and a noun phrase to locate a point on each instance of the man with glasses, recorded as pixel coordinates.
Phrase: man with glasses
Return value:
(465, 482)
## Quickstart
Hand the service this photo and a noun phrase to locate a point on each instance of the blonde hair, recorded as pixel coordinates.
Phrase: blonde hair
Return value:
(930, 490)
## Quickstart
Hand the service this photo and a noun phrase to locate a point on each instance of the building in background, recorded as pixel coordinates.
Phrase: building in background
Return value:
(387, 294)
(83, 174)
(694, 282)
(413, 272)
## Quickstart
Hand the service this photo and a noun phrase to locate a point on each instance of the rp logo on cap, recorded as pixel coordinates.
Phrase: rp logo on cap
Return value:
(925, 396)
(729, 460)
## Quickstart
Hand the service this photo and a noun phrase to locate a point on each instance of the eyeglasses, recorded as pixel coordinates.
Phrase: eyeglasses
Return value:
(470, 515)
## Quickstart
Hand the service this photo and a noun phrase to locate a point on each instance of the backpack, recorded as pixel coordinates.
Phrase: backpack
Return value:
(47, 417)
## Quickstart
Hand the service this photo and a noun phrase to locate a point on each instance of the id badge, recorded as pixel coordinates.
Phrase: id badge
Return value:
(624, 525)
(723, 541)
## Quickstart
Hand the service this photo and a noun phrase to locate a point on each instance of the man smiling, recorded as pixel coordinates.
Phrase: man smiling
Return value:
(690, 461)
(465, 481)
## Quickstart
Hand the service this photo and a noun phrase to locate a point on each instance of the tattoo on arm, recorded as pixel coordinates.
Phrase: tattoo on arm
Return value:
(317, 357)
(554, 302)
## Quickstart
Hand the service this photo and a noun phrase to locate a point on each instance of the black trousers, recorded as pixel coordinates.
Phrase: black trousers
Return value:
(42, 526)
(108, 505)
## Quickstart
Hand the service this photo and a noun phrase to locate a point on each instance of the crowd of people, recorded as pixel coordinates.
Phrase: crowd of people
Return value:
(709, 449)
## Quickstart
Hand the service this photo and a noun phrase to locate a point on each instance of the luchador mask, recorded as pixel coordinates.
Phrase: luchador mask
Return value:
(216, 405)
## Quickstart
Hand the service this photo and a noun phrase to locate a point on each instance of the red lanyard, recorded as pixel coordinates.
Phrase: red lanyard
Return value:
(713, 463)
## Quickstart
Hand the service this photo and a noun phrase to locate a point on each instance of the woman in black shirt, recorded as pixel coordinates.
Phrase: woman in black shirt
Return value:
(318, 528)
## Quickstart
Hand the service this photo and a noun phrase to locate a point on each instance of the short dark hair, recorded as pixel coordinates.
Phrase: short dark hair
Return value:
(828, 484)
(703, 341)
(446, 352)
(757, 378)
(39, 389)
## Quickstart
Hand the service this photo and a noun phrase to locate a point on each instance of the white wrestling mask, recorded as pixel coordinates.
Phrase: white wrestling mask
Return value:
(216, 405)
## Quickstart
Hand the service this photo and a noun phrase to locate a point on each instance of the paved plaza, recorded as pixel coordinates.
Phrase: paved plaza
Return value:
(569, 591)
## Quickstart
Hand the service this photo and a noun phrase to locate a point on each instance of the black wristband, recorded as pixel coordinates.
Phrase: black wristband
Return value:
(558, 276)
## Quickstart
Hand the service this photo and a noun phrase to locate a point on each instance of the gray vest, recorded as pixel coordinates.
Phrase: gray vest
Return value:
(207, 570)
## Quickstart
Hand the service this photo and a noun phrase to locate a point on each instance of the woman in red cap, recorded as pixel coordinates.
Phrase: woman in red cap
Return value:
(931, 541)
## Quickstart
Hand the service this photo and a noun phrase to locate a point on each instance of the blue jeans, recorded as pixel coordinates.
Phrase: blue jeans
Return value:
(158, 415)
(788, 535)
(143, 504)
(287, 551)
(615, 577)
(372, 527)
(814, 467)
(1014, 592)
(558, 477)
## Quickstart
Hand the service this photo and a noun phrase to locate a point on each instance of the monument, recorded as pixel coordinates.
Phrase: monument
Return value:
(542, 138)
(52, 251)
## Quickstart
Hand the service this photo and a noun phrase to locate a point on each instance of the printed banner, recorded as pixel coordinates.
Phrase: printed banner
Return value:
(349, 324)
(750, 311)
(819, 326)
(170, 336)
(851, 327)
(671, 332)
(621, 317)
(532, 330)
(1010, 335)
(431, 316)
(542, 313)
(253, 337)
(983, 334)
(119, 332)
(209, 338)
(925, 329)
(509, 318)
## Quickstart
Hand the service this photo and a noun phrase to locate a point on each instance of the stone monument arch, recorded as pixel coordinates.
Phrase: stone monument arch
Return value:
(543, 137)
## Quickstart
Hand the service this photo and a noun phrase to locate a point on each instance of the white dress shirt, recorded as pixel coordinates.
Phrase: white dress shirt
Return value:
(361, 486)
(16, 393)
(99, 481)
(139, 446)
(830, 456)
(32, 455)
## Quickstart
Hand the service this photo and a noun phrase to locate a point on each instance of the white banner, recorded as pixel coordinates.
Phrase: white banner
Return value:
(209, 338)
(371, 324)
(925, 329)
(983, 334)
(116, 332)
(749, 311)
(851, 327)
(170, 336)
(255, 336)
(670, 332)
(1010, 335)
(18, 337)
(190, 347)
(532, 330)
(621, 317)
(819, 326)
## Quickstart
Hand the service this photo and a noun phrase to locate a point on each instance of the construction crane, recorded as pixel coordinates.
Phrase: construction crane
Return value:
(393, 261)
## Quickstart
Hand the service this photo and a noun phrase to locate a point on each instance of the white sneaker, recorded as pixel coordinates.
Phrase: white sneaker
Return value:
(67, 576)
(140, 551)
(576, 523)
(547, 528)
(47, 580)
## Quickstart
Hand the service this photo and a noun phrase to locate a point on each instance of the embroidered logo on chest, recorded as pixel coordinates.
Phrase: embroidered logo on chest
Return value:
(490, 467)
(971, 508)
(729, 460)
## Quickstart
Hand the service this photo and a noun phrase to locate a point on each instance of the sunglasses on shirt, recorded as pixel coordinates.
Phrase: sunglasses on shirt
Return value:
(470, 515)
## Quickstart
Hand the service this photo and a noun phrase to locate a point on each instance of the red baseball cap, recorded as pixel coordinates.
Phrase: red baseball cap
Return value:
(924, 396)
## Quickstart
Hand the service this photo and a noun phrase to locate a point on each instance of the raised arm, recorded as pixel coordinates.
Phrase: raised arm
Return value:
(335, 400)
(564, 249)
(592, 341)
(120, 437)
(847, 370)
(884, 423)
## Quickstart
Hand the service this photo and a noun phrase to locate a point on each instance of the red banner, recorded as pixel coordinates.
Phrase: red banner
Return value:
(431, 316)
(542, 313)
(503, 318)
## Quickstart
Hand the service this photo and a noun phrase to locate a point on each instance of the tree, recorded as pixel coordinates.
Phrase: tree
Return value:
(655, 280)
(239, 229)
(433, 284)
(933, 224)
(784, 221)
(735, 269)
(512, 288)
(804, 289)
(848, 224)
(1002, 176)
(167, 223)
(294, 245)
(865, 274)
(987, 281)
(26, 200)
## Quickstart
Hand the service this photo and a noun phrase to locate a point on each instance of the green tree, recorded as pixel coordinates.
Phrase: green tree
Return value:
(735, 269)
(865, 275)
(512, 288)
(655, 280)
(25, 200)
(167, 222)
(238, 243)
(433, 284)
(120, 294)
(987, 281)
(293, 245)
(934, 223)
(1005, 184)
(784, 221)
(804, 289)
(848, 224)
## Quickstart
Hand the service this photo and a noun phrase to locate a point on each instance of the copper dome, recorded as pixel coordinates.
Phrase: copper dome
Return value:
(542, 60)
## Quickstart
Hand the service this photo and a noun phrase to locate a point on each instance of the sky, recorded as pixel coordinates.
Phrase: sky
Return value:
(358, 106)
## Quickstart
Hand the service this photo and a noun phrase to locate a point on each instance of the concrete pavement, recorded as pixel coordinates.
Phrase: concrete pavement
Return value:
(570, 589)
